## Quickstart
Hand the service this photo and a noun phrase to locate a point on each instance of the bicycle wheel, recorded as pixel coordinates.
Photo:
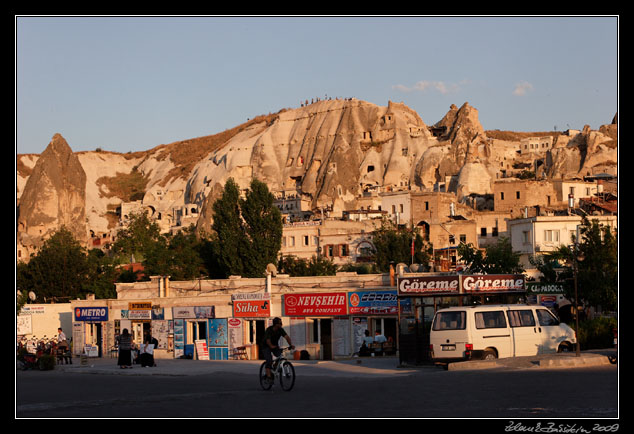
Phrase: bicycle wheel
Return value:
(287, 375)
(264, 382)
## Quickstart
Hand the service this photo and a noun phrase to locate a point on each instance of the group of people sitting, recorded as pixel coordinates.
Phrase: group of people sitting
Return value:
(373, 345)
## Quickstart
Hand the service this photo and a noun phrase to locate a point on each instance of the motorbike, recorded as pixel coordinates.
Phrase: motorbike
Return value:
(30, 361)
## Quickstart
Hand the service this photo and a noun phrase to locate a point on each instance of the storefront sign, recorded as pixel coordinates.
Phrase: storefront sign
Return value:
(429, 285)
(144, 315)
(493, 283)
(372, 303)
(142, 305)
(91, 314)
(28, 310)
(140, 311)
(251, 305)
(193, 312)
(327, 304)
(546, 287)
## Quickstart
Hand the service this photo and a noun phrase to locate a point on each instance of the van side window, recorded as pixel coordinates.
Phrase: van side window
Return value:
(546, 318)
(450, 321)
(490, 320)
(521, 318)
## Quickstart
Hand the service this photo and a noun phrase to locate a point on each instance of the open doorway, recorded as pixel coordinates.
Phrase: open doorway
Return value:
(325, 330)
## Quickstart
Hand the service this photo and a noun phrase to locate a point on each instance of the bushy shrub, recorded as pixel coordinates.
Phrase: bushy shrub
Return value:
(46, 362)
(596, 333)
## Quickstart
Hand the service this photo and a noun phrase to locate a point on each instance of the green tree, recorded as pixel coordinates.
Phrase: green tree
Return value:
(137, 238)
(102, 273)
(498, 258)
(598, 272)
(597, 277)
(230, 239)
(262, 229)
(59, 270)
(394, 245)
(248, 232)
(178, 256)
(315, 266)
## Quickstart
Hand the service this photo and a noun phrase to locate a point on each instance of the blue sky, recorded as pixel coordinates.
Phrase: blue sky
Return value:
(132, 83)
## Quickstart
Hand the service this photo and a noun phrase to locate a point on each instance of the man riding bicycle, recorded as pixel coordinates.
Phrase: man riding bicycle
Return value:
(269, 343)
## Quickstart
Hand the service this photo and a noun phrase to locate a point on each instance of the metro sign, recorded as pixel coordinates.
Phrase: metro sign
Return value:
(91, 314)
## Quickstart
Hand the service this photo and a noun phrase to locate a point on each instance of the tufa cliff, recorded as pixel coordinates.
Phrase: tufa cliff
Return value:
(331, 153)
(54, 195)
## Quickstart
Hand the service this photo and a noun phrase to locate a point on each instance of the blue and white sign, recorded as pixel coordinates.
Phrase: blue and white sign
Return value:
(373, 303)
(91, 313)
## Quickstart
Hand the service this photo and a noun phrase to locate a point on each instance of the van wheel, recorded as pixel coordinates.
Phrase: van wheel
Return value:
(489, 354)
(564, 347)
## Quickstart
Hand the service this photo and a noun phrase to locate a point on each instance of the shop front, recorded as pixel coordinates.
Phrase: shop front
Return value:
(377, 312)
(251, 315)
(90, 330)
(199, 334)
(319, 323)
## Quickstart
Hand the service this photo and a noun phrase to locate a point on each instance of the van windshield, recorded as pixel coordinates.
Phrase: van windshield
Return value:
(449, 321)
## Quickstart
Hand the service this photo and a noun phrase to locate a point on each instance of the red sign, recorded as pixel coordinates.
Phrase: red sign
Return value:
(493, 283)
(251, 305)
(428, 285)
(323, 304)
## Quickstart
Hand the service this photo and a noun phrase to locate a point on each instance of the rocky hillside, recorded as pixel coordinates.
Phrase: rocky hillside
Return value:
(330, 152)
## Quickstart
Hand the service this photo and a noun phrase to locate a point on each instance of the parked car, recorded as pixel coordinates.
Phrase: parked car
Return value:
(497, 331)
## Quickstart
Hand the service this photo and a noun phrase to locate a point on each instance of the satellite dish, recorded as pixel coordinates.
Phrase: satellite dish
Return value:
(400, 268)
(272, 269)
(32, 295)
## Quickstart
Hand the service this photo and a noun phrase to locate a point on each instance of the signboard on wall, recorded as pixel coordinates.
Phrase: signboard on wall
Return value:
(428, 286)
(91, 313)
(547, 287)
(441, 285)
(218, 332)
(251, 305)
(373, 303)
(179, 338)
(140, 310)
(488, 283)
(24, 325)
(319, 304)
(193, 312)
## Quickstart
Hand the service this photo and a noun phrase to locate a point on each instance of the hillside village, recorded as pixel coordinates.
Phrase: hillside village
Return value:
(337, 170)
(452, 180)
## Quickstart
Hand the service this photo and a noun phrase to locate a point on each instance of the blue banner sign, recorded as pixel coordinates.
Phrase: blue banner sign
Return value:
(373, 303)
(92, 313)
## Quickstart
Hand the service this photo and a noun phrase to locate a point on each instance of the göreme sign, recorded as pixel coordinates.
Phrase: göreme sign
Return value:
(430, 286)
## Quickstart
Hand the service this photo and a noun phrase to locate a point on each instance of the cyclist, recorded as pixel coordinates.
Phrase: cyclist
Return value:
(269, 345)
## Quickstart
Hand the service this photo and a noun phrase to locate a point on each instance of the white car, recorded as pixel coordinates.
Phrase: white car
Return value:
(497, 331)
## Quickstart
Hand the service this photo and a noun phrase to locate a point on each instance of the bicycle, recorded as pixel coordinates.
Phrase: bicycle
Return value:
(281, 368)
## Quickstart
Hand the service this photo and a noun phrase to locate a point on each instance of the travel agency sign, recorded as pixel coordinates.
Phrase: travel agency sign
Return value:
(430, 286)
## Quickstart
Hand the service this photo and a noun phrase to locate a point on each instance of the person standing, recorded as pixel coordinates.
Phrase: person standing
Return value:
(125, 343)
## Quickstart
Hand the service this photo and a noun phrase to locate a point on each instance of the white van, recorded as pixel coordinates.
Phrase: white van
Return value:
(497, 331)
